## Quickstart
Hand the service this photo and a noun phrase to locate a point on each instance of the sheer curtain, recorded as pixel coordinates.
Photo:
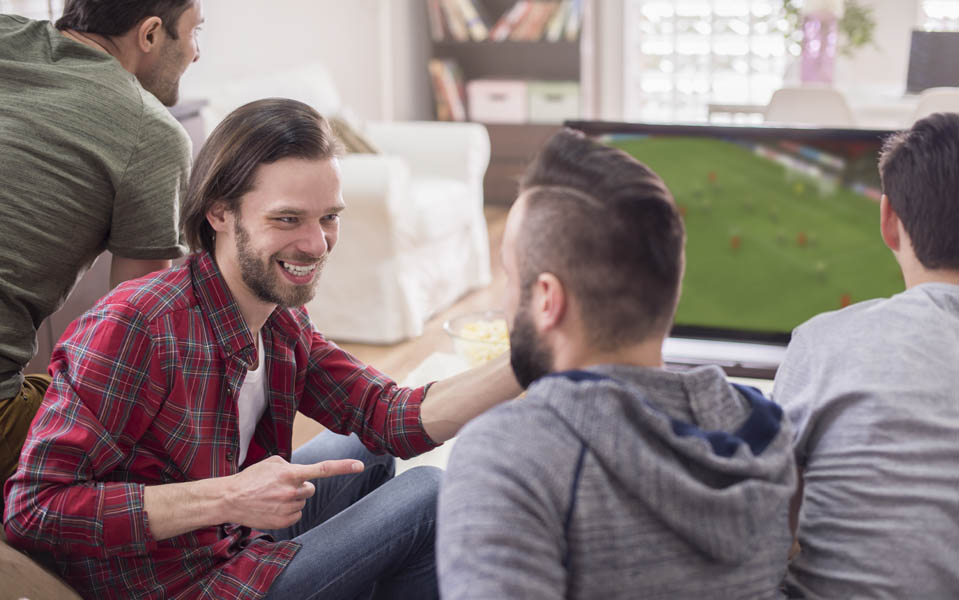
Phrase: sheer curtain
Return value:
(699, 60)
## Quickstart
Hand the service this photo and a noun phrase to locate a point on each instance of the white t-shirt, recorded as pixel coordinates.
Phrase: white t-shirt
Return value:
(252, 401)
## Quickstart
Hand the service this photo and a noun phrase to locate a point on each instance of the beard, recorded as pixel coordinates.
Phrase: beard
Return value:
(163, 81)
(528, 355)
(263, 280)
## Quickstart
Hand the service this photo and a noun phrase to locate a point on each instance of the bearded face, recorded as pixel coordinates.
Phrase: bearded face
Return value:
(528, 355)
(261, 274)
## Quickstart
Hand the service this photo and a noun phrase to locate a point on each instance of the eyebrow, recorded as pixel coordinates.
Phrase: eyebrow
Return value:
(298, 212)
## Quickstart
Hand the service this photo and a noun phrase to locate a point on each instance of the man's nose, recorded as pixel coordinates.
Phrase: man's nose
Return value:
(315, 243)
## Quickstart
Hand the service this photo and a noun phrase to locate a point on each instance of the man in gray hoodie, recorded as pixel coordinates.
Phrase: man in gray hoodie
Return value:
(613, 477)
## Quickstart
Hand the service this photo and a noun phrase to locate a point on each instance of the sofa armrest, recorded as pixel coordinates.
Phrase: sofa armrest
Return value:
(433, 148)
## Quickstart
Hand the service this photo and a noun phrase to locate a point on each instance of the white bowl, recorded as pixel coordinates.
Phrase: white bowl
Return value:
(479, 336)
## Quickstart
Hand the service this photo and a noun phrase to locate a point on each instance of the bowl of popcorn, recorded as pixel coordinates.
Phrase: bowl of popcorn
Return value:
(478, 337)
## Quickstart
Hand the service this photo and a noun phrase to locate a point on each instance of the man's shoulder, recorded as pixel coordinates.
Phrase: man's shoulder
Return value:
(159, 121)
(155, 296)
(524, 429)
(835, 323)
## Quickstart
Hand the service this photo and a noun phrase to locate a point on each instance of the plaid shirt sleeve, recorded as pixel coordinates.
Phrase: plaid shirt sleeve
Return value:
(349, 397)
(106, 388)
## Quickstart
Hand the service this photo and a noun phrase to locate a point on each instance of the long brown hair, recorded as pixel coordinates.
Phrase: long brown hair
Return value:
(257, 133)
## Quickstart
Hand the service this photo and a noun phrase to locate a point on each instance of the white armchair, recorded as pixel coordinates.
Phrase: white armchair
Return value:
(413, 237)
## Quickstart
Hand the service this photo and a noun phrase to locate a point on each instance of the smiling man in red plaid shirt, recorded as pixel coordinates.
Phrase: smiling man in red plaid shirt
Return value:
(158, 460)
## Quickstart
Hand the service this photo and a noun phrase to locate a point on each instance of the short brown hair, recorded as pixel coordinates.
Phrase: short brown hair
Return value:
(257, 133)
(920, 176)
(606, 225)
(116, 17)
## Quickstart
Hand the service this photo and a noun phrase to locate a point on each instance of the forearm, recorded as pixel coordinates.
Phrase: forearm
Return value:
(452, 402)
(123, 269)
(176, 508)
(79, 519)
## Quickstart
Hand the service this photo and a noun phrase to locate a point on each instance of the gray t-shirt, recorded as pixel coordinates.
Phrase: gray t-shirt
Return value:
(873, 394)
(89, 160)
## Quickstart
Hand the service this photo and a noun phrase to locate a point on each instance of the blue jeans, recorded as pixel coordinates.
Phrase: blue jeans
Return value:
(364, 536)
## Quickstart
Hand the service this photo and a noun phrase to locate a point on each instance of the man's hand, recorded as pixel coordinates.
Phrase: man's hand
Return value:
(271, 494)
(267, 495)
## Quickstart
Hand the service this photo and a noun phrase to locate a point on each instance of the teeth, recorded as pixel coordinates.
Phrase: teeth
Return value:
(298, 270)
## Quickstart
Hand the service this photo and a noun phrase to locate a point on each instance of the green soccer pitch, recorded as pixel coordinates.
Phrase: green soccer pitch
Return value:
(766, 249)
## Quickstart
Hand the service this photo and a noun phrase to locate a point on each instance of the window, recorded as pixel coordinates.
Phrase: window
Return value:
(32, 9)
(939, 15)
(699, 60)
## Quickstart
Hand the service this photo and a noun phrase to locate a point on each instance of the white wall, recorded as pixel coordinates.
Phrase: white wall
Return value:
(883, 65)
(373, 48)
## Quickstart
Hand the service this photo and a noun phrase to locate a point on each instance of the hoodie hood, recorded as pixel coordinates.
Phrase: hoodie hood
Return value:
(711, 460)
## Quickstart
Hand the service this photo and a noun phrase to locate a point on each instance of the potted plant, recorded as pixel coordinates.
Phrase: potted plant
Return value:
(821, 28)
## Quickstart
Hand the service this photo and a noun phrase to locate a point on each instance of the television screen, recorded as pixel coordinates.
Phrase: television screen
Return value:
(781, 224)
(933, 60)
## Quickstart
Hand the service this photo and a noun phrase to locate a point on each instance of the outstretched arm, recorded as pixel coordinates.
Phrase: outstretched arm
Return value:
(452, 402)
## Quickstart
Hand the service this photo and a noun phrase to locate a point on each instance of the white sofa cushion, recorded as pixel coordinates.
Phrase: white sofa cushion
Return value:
(441, 206)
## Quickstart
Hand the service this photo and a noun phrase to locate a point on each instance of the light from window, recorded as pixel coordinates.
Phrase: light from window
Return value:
(940, 15)
(699, 60)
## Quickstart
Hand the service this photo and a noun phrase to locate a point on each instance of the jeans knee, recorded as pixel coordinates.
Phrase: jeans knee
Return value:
(423, 484)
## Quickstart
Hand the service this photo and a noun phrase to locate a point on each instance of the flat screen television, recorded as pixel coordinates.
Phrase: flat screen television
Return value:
(781, 223)
(933, 60)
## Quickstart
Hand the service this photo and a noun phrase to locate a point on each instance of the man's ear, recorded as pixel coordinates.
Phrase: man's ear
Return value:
(889, 224)
(149, 32)
(549, 302)
(219, 216)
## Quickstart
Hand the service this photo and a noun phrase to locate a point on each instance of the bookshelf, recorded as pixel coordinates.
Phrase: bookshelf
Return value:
(564, 59)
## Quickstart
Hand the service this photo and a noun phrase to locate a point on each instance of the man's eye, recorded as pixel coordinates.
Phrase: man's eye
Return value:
(332, 218)
(288, 220)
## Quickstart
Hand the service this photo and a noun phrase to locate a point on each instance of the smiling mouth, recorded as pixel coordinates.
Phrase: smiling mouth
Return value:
(298, 270)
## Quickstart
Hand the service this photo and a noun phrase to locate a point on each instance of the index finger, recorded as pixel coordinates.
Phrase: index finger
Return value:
(326, 468)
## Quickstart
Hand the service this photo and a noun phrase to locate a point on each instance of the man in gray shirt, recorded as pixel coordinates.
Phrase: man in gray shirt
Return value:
(873, 393)
(613, 478)
(91, 160)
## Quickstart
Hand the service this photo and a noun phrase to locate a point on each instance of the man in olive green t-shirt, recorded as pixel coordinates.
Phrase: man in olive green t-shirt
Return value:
(91, 160)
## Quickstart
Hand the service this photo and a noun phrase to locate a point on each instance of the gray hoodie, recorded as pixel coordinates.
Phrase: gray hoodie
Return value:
(620, 482)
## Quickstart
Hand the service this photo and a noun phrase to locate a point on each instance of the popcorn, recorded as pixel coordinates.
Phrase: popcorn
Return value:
(481, 340)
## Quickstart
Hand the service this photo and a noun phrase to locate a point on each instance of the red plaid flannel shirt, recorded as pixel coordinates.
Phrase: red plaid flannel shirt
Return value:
(144, 393)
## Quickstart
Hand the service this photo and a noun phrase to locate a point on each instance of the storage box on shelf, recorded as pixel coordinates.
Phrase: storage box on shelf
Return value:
(497, 101)
(553, 101)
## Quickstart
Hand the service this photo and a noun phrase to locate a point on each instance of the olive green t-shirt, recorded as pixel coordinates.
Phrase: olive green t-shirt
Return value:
(89, 160)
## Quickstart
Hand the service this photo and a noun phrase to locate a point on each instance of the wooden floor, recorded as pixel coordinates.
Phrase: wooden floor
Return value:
(399, 359)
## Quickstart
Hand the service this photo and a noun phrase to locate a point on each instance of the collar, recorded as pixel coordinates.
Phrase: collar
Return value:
(232, 334)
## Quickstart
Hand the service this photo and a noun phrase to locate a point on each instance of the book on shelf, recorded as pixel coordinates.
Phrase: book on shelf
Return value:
(504, 26)
(557, 23)
(449, 91)
(535, 20)
(455, 21)
(574, 21)
(525, 20)
(459, 20)
(475, 18)
(435, 13)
